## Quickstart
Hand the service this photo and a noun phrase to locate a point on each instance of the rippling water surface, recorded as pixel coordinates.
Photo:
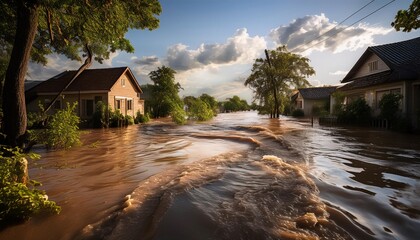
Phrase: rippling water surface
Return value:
(239, 176)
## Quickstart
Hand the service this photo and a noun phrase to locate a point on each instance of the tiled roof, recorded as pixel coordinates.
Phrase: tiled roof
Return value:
(403, 58)
(316, 93)
(89, 80)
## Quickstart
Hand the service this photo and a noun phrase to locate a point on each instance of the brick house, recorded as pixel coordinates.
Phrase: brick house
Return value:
(116, 87)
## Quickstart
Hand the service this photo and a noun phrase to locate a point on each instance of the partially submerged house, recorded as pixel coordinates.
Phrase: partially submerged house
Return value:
(309, 98)
(116, 87)
(388, 68)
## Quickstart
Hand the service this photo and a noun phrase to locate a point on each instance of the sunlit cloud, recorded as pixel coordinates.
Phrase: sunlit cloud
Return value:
(240, 48)
(143, 66)
(318, 33)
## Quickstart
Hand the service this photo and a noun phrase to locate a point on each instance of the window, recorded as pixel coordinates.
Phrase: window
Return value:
(118, 104)
(373, 66)
(123, 82)
(129, 104)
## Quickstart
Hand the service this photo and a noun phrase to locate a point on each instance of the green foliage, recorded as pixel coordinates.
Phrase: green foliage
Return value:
(211, 102)
(116, 119)
(357, 112)
(128, 120)
(100, 116)
(141, 118)
(298, 113)
(390, 106)
(178, 114)
(407, 20)
(37, 119)
(338, 107)
(62, 129)
(164, 99)
(198, 109)
(19, 202)
(235, 104)
(272, 84)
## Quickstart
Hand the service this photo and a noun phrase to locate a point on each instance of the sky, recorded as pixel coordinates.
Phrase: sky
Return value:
(212, 44)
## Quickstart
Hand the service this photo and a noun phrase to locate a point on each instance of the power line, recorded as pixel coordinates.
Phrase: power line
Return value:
(333, 28)
(348, 26)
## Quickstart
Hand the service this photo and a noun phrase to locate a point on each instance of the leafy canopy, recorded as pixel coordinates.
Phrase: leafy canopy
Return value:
(274, 83)
(68, 26)
(407, 20)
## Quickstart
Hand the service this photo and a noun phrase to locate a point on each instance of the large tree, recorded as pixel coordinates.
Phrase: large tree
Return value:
(164, 95)
(36, 28)
(273, 78)
(407, 20)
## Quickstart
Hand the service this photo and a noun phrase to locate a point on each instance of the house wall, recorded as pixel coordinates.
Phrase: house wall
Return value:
(308, 105)
(124, 91)
(364, 69)
(80, 98)
(373, 95)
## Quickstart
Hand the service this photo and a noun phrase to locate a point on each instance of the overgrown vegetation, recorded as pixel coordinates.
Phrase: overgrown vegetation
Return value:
(198, 109)
(61, 129)
(19, 199)
(141, 118)
(356, 112)
(234, 104)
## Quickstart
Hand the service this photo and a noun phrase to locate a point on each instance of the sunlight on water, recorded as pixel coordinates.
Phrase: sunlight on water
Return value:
(239, 176)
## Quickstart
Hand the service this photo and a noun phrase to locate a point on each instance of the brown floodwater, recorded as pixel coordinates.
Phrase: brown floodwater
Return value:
(239, 176)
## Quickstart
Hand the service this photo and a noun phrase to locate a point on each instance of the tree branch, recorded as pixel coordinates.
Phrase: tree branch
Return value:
(87, 64)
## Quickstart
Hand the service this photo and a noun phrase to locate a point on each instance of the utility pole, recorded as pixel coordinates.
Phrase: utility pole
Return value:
(273, 83)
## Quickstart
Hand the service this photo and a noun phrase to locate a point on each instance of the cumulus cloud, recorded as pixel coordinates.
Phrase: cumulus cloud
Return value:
(239, 48)
(55, 64)
(143, 66)
(318, 33)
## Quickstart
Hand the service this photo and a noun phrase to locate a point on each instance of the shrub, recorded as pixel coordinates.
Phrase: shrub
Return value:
(18, 202)
(357, 112)
(128, 120)
(141, 118)
(62, 129)
(178, 114)
(390, 106)
(298, 113)
(116, 119)
(100, 116)
(199, 110)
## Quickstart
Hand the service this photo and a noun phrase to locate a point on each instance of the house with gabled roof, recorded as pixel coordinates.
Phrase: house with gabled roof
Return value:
(389, 68)
(309, 98)
(116, 87)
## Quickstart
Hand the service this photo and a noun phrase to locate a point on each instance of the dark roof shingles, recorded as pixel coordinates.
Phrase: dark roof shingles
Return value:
(89, 80)
(316, 93)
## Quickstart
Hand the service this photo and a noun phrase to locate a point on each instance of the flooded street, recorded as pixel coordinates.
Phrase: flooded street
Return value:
(239, 176)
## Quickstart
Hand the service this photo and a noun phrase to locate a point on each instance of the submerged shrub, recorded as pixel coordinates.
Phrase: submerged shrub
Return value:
(358, 111)
(390, 106)
(100, 116)
(141, 118)
(62, 129)
(18, 202)
(298, 113)
(178, 115)
(128, 120)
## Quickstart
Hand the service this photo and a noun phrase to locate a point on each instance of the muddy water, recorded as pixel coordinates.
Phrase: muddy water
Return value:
(240, 176)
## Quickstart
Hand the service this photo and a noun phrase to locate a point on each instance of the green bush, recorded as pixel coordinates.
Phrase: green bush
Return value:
(141, 118)
(100, 116)
(178, 115)
(18, 202)
(62, 129)
(390, 106)
(199, 110)
(116, 119)
(298, 113)
(128, 120)
(357, 112)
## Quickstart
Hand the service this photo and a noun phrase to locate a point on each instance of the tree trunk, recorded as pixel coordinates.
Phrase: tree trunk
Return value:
(14, 108)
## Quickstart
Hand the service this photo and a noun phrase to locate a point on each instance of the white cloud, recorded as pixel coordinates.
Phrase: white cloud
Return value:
(55, 65)
(143, 66)
(318, 33)
(240, 48)
(339, 73)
